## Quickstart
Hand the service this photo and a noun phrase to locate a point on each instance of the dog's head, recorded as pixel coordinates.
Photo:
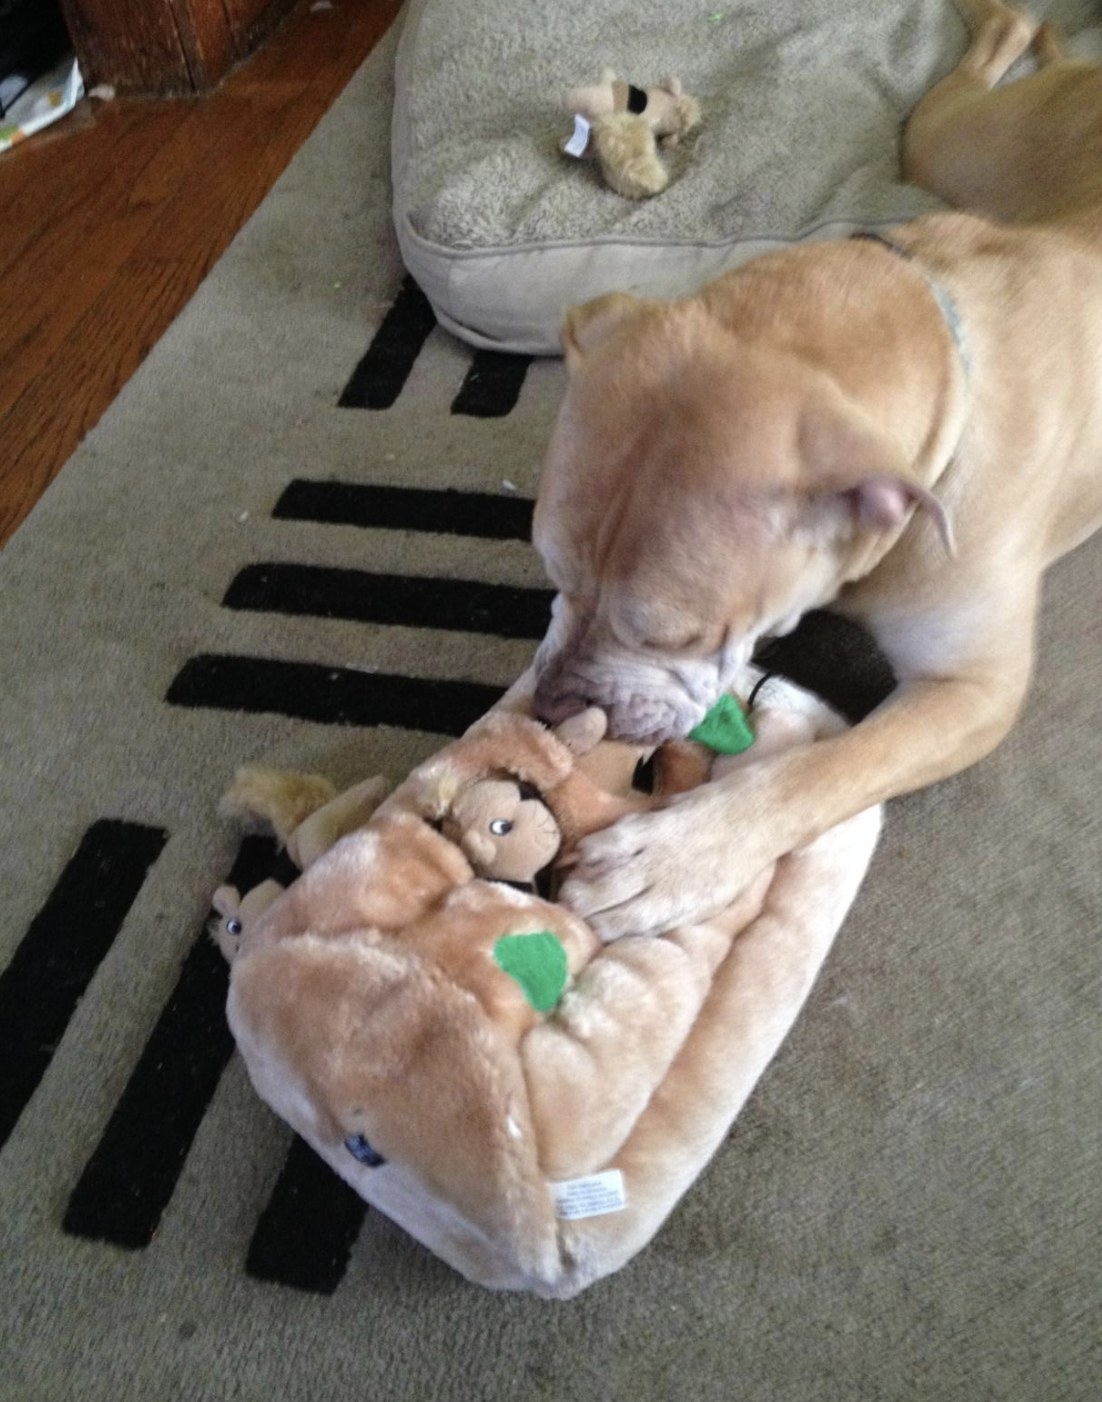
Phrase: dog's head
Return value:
(700, 491)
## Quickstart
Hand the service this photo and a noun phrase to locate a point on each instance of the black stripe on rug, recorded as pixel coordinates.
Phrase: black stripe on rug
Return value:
(132, 1173)
(492, 385)
(329, 695)
(443, 512)
(378, 379)
(305, 1234)
(64, 946)
(456, 605)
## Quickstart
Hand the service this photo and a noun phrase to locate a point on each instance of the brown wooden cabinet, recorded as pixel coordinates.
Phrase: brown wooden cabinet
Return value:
(166, 46)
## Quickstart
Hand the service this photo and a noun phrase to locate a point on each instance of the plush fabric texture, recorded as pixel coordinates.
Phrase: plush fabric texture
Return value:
(802, 100)
(405, 1019)
(908, 1206)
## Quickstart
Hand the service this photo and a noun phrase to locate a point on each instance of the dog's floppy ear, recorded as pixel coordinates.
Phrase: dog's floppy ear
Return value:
(853, 464)
(882, 501)
(588, 324)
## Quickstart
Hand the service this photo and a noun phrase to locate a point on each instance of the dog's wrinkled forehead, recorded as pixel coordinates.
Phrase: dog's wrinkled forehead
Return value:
(661, 577)
(658, 446)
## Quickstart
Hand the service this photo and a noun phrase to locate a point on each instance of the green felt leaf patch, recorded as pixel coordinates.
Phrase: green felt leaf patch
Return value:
(538, 963)
(725, 728)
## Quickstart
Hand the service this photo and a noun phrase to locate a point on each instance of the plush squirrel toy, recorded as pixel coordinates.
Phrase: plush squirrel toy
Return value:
(623, 126)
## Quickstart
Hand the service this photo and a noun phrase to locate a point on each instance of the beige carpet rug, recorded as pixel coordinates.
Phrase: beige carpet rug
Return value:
(299, 536)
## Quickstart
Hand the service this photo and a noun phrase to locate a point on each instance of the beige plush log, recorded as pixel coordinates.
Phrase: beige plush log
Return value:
(377, 1015)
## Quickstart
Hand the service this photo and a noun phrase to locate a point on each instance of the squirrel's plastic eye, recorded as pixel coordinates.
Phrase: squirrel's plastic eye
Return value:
(233, 927)
(500, 826)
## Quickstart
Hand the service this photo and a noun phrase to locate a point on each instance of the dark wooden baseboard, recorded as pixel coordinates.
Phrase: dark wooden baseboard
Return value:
(166, 47)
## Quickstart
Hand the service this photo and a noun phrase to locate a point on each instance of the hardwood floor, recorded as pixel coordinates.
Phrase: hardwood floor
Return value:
(113, 218)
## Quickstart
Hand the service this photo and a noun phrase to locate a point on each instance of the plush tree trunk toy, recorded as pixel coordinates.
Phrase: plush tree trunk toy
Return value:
(527, 1102)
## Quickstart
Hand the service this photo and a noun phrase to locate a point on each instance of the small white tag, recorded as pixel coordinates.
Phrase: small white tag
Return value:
(590, 1197)
(576, 145)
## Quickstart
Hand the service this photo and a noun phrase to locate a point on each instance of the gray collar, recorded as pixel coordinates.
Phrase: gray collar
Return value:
(945, 303)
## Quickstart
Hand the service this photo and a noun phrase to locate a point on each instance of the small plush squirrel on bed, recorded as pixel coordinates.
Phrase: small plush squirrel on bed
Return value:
(623, 126)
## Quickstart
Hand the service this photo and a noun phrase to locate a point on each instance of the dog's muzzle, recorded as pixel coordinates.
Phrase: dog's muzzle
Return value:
(645, 704)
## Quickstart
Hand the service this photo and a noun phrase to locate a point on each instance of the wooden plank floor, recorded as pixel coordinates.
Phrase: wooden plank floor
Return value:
(113, 218)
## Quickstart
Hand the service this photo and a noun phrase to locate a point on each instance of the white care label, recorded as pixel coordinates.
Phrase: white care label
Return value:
(594, 1196)
(576, 145)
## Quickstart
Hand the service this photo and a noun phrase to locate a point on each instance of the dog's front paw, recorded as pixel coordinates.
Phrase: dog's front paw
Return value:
(651, 872)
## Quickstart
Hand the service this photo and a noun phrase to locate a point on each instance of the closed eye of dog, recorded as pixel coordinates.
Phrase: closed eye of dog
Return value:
(661, 630)
(673, 643)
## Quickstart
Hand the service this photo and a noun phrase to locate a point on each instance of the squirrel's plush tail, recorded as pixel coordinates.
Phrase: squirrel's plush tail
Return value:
(279, 799)
(627, 151)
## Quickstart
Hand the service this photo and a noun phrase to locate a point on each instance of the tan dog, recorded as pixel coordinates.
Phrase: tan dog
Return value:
(910, 432)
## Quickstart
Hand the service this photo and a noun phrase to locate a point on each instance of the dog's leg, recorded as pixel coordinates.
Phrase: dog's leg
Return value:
(1026, 152)
(1000, 35)
(652, 871)
(1048, 46)
(932, 155)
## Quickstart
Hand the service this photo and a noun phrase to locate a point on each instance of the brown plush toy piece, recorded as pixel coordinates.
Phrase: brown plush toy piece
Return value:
(524, 1100)
(627, 125)
(503, 826)
(236, 911)
(503, 830)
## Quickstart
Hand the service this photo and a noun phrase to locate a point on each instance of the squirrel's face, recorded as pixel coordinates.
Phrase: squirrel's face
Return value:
(504, 832)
